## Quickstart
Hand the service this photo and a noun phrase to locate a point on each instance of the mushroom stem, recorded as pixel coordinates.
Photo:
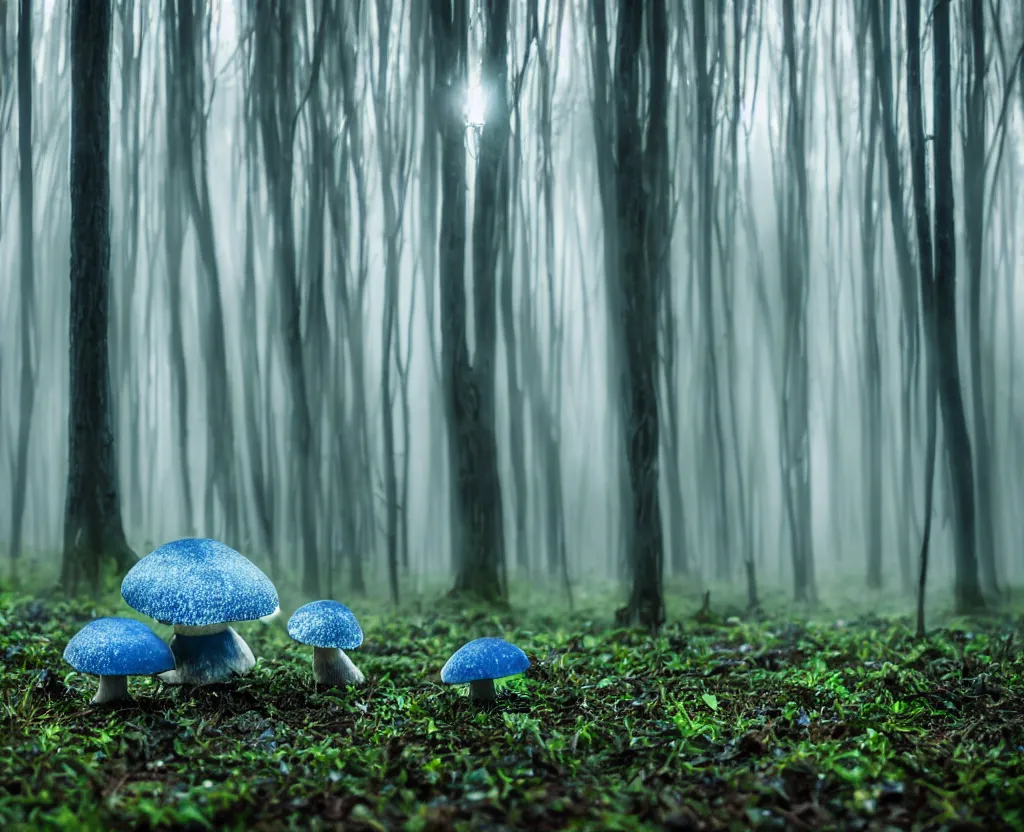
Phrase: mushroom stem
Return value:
(207, 657)
(482, 690)
(112, 689)
(332, 667)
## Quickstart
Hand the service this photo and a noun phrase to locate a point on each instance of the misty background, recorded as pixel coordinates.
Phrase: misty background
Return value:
(254, 149)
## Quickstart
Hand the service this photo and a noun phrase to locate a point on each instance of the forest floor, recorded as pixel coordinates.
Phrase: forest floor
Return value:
(721, 724)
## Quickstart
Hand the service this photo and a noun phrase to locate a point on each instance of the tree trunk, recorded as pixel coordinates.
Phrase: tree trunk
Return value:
(871, 433)
(712, 430)
(958, 443)
(910, 355)
(479, 536)
(389, 138)
(92, 510)
(974, 235)
(919, 177)
(27, 251)
(188, 118)
(641, 234)
(277, 107)
(796, 274)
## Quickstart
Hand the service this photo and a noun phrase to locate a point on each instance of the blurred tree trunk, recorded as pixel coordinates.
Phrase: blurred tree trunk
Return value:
(728, 259)
(259, 432)
(712, 432)
(127, 402)
(174, 248)
(871, 435)
(394, 154)
(317, 337)
(355, 443)
(275, 94)
(795, 268)
(187, 118)
(954, 419)
(910, 317)
(974, 175)
(871, 402)
(548, 400)
(92, 510)
(6, 95)
(27, 322)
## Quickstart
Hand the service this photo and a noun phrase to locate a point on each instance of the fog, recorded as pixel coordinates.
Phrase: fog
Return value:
(203, 453)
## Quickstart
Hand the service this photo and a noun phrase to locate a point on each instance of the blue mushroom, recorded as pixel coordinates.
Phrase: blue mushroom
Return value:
(330, 628)
(200, 586)
(480, 662)
(114, 649)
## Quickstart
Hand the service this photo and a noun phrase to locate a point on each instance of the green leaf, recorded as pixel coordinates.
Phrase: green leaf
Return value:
(711, 701)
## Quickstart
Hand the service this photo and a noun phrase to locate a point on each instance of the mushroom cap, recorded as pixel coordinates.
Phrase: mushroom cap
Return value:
(484, 658)
(325, 624)
(196, 582)
(118, 647)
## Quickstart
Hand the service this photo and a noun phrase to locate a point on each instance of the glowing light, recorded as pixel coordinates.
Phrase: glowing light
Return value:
(476, 105)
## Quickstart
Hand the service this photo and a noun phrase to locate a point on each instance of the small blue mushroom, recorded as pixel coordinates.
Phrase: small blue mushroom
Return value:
(330, 628)
(480, 662)
(200, 586)
(114, 649)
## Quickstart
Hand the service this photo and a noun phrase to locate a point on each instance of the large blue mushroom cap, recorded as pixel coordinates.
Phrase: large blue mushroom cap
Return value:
(118, 647)
(484, 658)
(325, 624)
(197, 582)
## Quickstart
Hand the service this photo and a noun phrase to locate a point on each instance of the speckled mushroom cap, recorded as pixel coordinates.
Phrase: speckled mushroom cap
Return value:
(118, 647)
(484, 658)
(196, 582)
(325, 624)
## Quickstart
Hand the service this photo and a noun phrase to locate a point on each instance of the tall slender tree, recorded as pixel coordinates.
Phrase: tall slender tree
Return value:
(92, 512)
(879, 14)
(712, 430)
(925, 259)
(277, 112)
(27, 315)
(186, 32)
(974, 176)
(795, 267)
(954, 419)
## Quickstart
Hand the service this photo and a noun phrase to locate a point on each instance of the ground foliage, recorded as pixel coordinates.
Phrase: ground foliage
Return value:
(714, 724)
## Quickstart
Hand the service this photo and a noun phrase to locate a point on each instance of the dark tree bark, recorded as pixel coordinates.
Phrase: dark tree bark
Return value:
(27, 309)
(641, 225)
(954, 420)
(479, 536)
(485, 567)
(922, 216)
(92, 511)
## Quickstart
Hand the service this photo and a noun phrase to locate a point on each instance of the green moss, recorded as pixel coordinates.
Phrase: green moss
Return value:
(756, 724)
